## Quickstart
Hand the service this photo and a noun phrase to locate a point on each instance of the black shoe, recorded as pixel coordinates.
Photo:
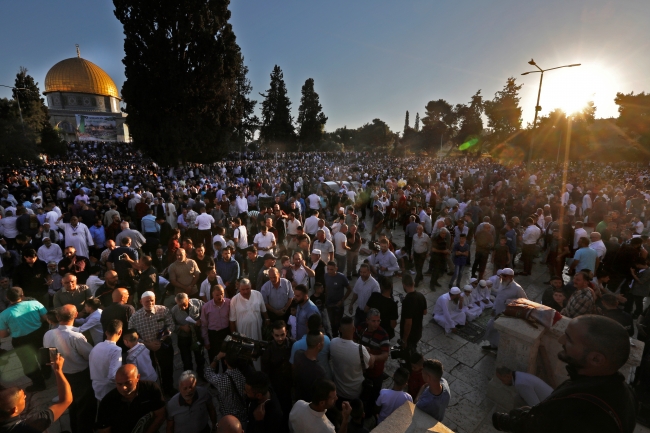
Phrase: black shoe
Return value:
(451, 274)
(438, 285)
(490, 348)
(35, 388)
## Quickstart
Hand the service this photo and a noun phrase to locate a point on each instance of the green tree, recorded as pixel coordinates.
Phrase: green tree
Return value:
(406, 122)
(438, 124)
(36, 133)
(311, 120)
(277, 124)
(375, 136)
(469, 120)
(185, 89)
(16, 144)
(634, 116)
(417, 122)
(503, 112)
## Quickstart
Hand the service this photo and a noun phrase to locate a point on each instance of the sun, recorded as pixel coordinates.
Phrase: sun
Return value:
(570, 89)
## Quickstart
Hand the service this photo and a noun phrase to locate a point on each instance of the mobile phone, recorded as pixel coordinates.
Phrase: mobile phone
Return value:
(47, 355)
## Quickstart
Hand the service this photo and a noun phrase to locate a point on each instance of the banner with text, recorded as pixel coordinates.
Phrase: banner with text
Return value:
(96, 128)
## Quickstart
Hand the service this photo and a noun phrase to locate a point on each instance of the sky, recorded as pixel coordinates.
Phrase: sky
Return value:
(378, 58)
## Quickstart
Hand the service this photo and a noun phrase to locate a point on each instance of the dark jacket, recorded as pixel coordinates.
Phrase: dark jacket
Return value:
(570, 408)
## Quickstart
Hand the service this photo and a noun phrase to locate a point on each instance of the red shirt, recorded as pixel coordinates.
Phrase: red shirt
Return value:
(377, 343)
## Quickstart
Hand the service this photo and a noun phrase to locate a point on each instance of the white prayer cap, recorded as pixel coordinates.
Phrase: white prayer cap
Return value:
(499, 272)
(148, 294)
(507, 271)
(482, 283)
(341, 209)
(316, 251)
(473, 280)
(454, 291)
(489, 283)
(468, 288)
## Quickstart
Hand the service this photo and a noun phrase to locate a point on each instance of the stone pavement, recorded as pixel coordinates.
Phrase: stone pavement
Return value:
(467, 368)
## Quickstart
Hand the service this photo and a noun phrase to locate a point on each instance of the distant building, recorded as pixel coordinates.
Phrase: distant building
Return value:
(83, 102)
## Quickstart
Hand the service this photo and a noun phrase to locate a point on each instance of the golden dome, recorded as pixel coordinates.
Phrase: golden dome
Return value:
(79, 76)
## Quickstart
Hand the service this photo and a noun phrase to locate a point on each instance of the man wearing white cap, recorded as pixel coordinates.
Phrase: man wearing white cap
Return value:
(470, 306)
(50, 251)
(154, 324)
(509, 290)
(482, 294)
(448, 312)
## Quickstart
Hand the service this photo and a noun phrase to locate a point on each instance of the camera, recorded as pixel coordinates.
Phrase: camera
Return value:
(123, 256)
(509, 421)
(243, 347)
(373, 246)
(400, 352)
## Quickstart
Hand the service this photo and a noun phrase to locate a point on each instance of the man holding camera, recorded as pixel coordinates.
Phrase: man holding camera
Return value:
(595, 398)
(13, 403)
(76, 350)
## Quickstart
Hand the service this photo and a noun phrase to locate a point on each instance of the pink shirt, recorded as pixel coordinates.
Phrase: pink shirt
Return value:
(216, 318)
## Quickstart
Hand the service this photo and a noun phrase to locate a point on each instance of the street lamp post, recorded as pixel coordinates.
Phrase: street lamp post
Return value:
(539, 92)
(20, 111)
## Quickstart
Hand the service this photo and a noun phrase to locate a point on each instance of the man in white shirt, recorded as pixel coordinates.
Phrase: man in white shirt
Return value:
(579, 232)
(264, 241)
(310, 417)
(340, 241)
(364, 287)
(314, 201)
(529, 248)
(530, 388)
(242, 204)
(240, 235)
(105, 359)
(311, 224)
(597, 244)
(76, 351)
(204, 223)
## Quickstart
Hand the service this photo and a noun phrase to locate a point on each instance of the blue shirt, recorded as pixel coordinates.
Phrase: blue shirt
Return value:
(511, 237)
(587, 257)
(304, 312)
(22, 318)
(98, 234)
(335, 287)
(149, 224)
(435, 405)
(323, 355)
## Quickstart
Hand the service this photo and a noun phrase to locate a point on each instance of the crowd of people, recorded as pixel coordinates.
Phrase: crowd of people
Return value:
(112, 263)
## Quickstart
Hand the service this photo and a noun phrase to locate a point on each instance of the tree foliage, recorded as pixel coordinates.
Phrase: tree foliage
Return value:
(503, 112)
(373, 136)
(634, 116)
(407, 122)
(26, 139)
(311, 120)
(277, 124)
(417, 122)
(186, 90)
(469, 120)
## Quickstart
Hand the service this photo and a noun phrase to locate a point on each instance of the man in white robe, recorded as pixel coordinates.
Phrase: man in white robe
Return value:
(448, 312)
(483, 294)
(471, 306)
(49, 252)
(77, 235)
(509, 290)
